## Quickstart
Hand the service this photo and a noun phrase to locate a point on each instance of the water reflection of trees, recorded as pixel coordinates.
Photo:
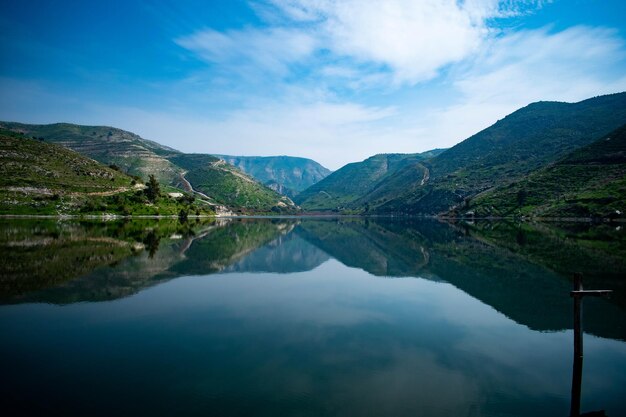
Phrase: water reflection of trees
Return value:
(520, 270)
(44, 254)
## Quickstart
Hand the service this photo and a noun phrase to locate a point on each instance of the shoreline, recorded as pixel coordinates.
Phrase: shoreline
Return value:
(111, 217)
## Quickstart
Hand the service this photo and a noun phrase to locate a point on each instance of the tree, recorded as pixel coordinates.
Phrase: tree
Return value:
(521, 197)
(153, 189)
(183, 214)
(152, 241)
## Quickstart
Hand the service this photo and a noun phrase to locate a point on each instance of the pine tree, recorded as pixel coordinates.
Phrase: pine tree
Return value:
(153, 189)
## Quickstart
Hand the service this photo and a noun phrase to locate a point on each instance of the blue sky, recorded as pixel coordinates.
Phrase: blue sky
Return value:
(336, 81)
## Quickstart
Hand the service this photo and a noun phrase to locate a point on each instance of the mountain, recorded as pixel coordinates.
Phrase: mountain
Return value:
(286, 175)
(34, 176)
(133, 154)
(45, 178)
(29, 163)
(524, 141)
(219, 184)
(589, 182)
(358, 183)
(226, 185)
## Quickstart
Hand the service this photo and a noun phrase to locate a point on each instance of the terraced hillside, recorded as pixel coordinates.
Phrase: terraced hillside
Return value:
(226, 185)
(133, 154)
(525, 141)
(589, 182)
(219, 183)
(34, 175)
(33, 164)
(45, 178)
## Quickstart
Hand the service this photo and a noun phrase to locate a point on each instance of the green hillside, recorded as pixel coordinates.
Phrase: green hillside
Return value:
(133, 154)
(226, 185)
(590, 182)
(35, 164)
(44, 178)
(286, 175)
(515, 146)
(487, 171)
(361, 183)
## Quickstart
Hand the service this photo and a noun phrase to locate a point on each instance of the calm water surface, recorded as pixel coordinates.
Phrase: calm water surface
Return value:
(307, 317)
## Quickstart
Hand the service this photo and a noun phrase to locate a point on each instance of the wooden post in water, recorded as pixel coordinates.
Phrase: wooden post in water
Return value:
(577, 374)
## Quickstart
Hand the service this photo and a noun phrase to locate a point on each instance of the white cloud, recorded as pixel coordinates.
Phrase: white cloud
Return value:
(410, 40)
(525, 67)
(306, 116)
(272, 49)
(413, 40)
(540, 65)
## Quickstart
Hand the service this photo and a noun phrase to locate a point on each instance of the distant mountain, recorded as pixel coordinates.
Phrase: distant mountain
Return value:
(286, 175)
(216, 182)
(361, 183)
(524, 141)
(589, 182)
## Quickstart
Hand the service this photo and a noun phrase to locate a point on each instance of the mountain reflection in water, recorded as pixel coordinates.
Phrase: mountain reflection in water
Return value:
(522, 270)
(302, 316)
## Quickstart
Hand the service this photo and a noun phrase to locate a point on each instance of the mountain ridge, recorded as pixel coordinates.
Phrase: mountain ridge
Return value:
(437, 182)
(46, 178)
(351, 183)
(141, 158)
(523, 142)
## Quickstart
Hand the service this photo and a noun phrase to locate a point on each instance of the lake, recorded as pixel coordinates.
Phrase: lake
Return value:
(307, 317)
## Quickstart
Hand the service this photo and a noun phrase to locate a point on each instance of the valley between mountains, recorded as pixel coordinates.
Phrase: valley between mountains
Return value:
(545, 160)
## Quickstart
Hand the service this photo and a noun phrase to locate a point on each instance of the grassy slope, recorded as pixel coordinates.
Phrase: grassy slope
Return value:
(133, 154)
(138, 156)
(31, 163)
(590, 182)
(227, 185)
(522, 142)
(43, 178)
(359, 184)
(286, 174)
